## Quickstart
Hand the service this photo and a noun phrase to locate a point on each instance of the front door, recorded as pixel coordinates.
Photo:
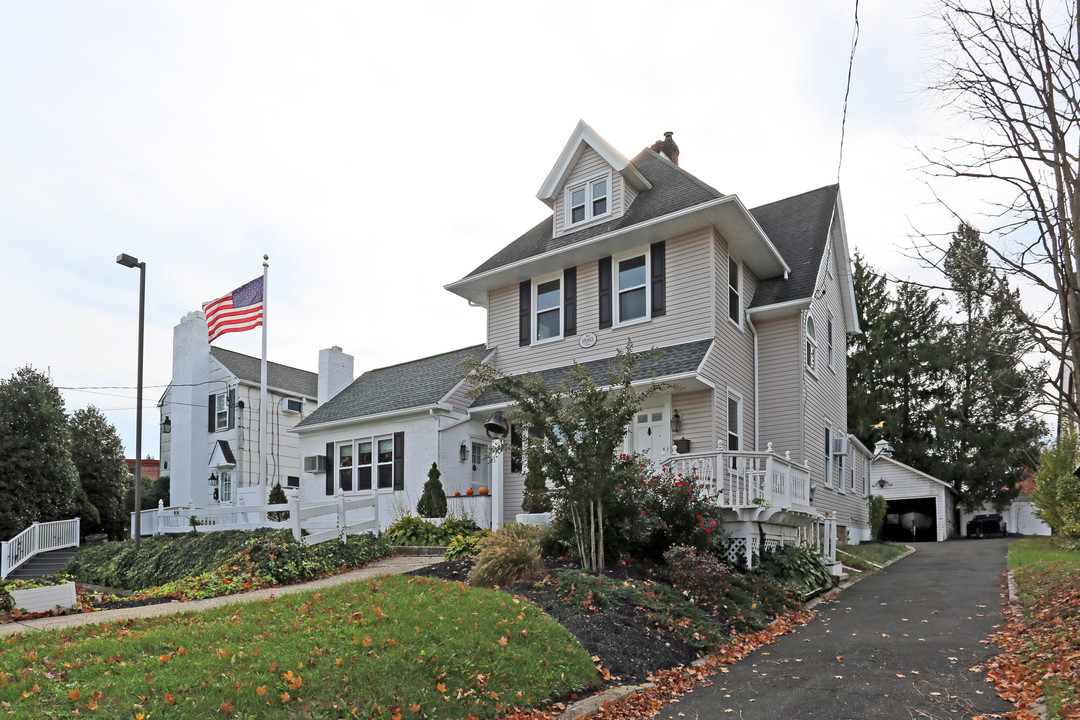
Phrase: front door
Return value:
(651, 435)
(481, 466)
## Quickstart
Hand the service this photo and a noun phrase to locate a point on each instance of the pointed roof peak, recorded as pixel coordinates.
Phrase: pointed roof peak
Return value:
(584, 135)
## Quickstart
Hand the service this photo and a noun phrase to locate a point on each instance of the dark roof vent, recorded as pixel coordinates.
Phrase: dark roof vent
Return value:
(668, 147)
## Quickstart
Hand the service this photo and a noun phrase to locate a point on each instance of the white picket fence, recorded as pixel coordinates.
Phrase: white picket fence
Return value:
(330, 520)
(38, 538)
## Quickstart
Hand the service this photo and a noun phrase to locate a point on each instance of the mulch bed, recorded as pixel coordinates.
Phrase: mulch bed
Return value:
(628, 644)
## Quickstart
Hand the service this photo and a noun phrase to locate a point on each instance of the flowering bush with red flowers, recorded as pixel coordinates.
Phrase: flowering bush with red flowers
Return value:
(676, 512)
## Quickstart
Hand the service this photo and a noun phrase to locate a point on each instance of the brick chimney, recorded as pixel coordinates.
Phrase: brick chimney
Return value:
(668, 147)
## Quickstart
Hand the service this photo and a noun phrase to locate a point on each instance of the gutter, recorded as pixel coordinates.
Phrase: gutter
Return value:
(367, 418)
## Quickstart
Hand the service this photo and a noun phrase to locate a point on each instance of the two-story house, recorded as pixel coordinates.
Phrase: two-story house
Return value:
(750, 310)
(210, 434)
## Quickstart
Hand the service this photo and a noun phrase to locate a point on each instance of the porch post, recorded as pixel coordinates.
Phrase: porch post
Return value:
(748, 532)
(3, 559)
(496, 491)
(294, 512)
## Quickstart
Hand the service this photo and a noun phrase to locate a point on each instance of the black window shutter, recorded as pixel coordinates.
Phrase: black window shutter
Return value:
(231, 402)
(569, 301)
(659, 291)
(524, 313)
(515, 449)
(211, 426)
(330, 472)
(399, 461)
(604, 287)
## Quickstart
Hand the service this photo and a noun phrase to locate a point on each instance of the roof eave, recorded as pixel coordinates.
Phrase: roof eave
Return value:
(768, 312)
(727, 214)
(584, 134)
(696, 380)
(847, 281)
(330, 424)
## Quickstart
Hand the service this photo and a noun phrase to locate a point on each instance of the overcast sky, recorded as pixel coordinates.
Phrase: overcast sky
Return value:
(377, 151)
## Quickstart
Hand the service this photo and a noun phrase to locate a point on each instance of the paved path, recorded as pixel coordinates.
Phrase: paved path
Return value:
(897, 645)
(394, 565)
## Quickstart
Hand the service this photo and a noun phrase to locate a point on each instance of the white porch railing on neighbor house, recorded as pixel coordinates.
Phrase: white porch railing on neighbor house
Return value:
(745, 479)
(332, 518)
(38, 538)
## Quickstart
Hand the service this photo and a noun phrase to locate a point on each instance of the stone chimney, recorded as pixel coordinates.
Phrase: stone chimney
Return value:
(335, 372)
(668, 147)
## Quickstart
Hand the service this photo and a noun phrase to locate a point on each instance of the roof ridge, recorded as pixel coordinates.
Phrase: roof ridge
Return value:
(833, 186)
(689, 175)
(214, 349)
(429, 357)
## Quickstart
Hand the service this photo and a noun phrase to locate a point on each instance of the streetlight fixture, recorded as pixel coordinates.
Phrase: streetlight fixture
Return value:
(133, 262)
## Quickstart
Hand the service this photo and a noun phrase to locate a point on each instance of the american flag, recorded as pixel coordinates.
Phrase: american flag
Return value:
(240, 310)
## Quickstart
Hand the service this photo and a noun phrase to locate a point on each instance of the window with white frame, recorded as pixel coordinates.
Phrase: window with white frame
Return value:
(734, 421)
(866, 478)
(828, 454)
(358, 464)
(841, 480)
(734, 296)
(221, 411)
(363, 465)
(346, 468)
(588, 200)
(547, 320)
(811, 344)
(385, 463)
(225, 486)
(851, 463)
(633, 290)
(830, 341)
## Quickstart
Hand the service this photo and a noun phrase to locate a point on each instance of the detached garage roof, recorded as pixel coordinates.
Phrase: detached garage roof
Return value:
(920, 473)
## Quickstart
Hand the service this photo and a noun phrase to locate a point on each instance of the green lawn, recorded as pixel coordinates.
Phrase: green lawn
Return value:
(1048, 585)
(860, 556)
(391, 647)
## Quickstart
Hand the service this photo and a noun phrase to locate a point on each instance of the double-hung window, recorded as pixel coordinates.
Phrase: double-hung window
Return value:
(345, 467)
(734, 422)
(355, 466)
(547, 322)
(828, 455)
(385, 463)
(829, 341)
(221, 411)
(363, 465)
(734, 296)
(811, 344)
(588, 200)
(633, 288)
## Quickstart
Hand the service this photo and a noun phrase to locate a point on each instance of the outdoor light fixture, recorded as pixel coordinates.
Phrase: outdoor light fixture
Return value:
(132, 262)
(463, 452)
(883, 483)
(813, 487)
(676, 422)
(166, 425)
(497, 426)
(212, 480)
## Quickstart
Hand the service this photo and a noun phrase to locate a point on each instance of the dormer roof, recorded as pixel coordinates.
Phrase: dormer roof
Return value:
(584, 135)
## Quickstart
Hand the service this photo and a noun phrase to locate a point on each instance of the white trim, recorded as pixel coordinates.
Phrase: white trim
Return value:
(851, 317)
(571, 152)
(779, 308)
(536, 283)
(828, 453)
(457, 386)
(586, 185)
(733, 394)
(917, 472)
(616, 315)
(331, 424)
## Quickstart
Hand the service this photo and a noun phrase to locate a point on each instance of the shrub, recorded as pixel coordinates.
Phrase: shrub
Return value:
(676, 512)
(464, 546)
(1057, 490)
(432, 502)
(277, 497)
(409, 530)
(798, 567)
(699, 573)
(878, 505)
(508, 556)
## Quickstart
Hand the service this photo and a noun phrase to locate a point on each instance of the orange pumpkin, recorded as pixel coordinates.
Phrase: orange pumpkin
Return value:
(469, 491)
(457, 493)
(483, 490)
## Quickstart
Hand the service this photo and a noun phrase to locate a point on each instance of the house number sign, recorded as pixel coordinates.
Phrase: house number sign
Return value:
(587, 340)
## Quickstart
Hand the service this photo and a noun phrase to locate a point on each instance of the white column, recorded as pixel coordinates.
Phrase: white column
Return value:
(496, 491)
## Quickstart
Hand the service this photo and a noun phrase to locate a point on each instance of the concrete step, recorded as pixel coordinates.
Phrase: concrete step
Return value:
(41, 565)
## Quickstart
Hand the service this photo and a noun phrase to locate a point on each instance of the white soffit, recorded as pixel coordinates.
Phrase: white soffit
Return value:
(582, 135)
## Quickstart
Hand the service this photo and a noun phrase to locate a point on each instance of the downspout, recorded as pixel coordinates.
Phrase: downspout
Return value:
(438, 430)
(753, 330)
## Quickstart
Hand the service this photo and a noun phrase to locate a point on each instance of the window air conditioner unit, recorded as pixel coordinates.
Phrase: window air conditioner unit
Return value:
(291, 405)
(315, 464)
(840, 447)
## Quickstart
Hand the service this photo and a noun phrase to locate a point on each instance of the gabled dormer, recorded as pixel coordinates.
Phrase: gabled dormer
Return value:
(590, 183)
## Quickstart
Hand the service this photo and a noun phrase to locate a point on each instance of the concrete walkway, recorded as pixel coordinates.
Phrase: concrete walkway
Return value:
(905, 643)
(394, 565)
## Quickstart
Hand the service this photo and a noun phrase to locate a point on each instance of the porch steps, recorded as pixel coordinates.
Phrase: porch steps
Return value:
(43, 564)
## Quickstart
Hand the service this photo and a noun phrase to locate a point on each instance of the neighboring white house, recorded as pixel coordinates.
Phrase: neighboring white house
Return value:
(749, 309)
(921, 507)
(210, 418)
(1019, 517)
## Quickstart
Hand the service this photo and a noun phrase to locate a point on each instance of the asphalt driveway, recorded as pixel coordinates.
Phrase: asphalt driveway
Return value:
(905, 643)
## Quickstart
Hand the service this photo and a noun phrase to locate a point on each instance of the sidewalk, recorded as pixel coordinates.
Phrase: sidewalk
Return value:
(393, 565)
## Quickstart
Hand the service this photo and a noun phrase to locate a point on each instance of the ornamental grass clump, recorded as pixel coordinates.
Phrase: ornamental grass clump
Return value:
(510, 555)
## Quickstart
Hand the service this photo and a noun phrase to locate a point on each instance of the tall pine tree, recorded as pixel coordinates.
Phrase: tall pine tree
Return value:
(99, 458)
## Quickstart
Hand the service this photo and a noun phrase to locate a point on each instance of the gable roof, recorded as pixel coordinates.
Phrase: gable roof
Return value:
(414, 384)
(799, 228)
(670, 361)
(281, 377)
(584, 135)
(920, 473)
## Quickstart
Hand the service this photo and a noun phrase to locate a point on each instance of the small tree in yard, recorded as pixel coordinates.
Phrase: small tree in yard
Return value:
(575, 432)
(1057, 490)
(432, 502)
(99, 457)
(277, 497)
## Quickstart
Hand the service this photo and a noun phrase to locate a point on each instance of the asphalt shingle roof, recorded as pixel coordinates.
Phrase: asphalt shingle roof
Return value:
(672, 189)
(671, 360)
(398, 387)
(280, 376)
(799, 228)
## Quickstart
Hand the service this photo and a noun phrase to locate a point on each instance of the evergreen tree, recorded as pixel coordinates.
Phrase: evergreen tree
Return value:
(432, 502)
(38, 480)
(98, 455)
(867, 397)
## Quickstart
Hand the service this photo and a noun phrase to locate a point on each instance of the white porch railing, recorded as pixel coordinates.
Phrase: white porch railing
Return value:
(821, 535)
(746, 479)
(38, 538)
(334, 519)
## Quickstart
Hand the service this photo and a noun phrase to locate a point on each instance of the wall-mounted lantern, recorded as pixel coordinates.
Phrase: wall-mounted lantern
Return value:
(166, 426)
(463, 452)
(676, 422)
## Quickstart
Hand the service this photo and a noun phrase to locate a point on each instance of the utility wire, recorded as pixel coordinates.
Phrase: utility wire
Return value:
(847, 90)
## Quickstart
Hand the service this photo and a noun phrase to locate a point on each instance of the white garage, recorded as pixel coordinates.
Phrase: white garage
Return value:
(921, 507)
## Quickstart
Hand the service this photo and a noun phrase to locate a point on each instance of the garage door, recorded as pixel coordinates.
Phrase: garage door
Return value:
(911, 520)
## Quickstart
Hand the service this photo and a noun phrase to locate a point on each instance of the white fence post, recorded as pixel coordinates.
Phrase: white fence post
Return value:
(33, 537)
(339, 498)
(375, 509)
(78, 531)
(294, 514)
(3, 559)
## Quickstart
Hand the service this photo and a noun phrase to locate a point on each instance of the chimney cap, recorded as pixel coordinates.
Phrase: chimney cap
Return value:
(667, 146)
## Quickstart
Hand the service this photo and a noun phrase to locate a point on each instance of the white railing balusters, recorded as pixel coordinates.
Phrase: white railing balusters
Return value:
(38, 538)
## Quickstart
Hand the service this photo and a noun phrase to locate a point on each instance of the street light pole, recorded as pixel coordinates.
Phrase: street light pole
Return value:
(132, 262)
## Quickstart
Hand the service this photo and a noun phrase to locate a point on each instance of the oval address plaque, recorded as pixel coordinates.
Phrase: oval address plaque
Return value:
(587, 340)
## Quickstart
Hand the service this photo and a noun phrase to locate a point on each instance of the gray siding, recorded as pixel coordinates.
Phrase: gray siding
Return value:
(695, 410)
(780, 380)
(589, 165)
(689, 265)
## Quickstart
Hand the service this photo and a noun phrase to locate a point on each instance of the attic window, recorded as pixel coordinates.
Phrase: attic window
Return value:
(588, 200)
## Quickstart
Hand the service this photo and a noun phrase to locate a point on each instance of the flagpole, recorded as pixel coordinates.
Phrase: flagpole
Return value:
(262, 387)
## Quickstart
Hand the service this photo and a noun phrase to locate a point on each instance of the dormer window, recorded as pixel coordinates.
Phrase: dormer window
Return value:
(588, 200)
